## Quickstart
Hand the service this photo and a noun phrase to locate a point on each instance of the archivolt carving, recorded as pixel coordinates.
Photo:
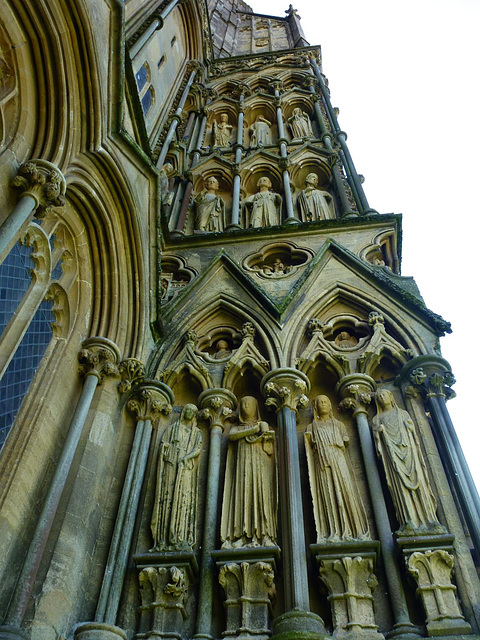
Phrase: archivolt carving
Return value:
(35, 237)
(8, 90)
(277, 260)
(61, 310)
(188, 360)
(246, 355)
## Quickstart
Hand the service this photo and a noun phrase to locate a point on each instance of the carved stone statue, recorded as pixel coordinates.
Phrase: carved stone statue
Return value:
(249, 511)
(209, 208)
(222, 350)
(173, 518)
(407, 478)
(261, 132)
(300, 124)
(337, 505)
(277, 269)
(222, 131)
(165, 172)
(314, 204)
(344, 340)
(265, 205)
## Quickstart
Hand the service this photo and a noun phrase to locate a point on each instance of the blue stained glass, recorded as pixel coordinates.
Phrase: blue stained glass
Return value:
(57, 271)
(23, 366)
(15, 280)
(147, 100)
(142, 77)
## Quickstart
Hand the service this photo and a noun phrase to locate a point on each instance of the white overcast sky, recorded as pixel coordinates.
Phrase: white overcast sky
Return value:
(405, 76)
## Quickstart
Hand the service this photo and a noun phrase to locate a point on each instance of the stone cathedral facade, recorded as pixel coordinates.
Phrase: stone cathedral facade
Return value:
(223, 408)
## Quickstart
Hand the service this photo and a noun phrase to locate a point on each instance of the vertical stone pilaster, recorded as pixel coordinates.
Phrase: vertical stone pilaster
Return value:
(285, 390)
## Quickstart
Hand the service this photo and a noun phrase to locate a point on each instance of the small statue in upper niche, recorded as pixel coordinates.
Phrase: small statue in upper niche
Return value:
(398, 447)
(277, 269)
(165, 172)
(314, 204)
(249, 510)
(223, 350)
(337, 505)
(174, 511)
(222, 131)
(344, 340)
(300, 124)
(261, 132)
(209, 208)
(265, 205)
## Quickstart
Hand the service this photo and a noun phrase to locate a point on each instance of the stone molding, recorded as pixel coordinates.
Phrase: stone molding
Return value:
(98, 357)
(286, 388)
(44, 182)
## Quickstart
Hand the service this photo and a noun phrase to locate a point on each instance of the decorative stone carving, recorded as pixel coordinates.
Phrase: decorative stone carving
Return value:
(286, 388)
(209, 208)
(261, 132)
(164, 593)
(337, 505)
(42, 181)
(344, 340)
(398, 447)
(174, 511)
(249, 510)
(300, 124)
(277, 260)
(247, 354)
(432, 571)
(217, 406)
(314, 204)
(350, 582)
(174, 277)
(132, 372)
(165, 172)
(99, 357)
(249, 589)
(222, 131)
(150, 399)
(265, 205)
(277, 269)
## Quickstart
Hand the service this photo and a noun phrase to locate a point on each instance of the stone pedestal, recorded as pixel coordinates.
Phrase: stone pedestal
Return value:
(247, 577)
(99, 631)
(430, 562)
(347, 569)
(164, 581)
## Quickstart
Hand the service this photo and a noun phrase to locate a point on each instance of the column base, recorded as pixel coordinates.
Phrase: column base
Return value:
(9, 632)
(233, 227)
(298, 625)
(99, 631)
(177, 233)
(292, 221)
(404, 631)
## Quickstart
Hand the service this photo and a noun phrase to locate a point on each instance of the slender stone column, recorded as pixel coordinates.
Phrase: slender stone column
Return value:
(285, 389)
(432, 376)
(346, 209)
(356, 185)
(43, 187)
(284, 163)
(235, 219)
(98, 358)
(194, 66)
(217, 406)
(148, 400)
(155, 25)
(355, 391)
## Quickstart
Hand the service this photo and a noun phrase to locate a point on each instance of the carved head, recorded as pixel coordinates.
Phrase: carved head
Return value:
(297, 111)
(212, 184)
(264, 182)
(167, 168)
(189, 414)
(222, 345)
(224, 117)
(248, 410)
(322, 407)
(385, 400)
(312, 179)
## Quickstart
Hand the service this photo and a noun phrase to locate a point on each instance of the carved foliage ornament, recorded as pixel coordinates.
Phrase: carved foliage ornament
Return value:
(44, 183)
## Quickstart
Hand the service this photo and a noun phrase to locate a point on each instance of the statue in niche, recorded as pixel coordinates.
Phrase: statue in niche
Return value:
(222, 131)
(398, 447)
(265, 205)
(345, 341)
(222, 350)
(174, 511)
(209, 208)
(165, 172)
(314, 204)
(249, 510)
(261, 132)
(300, 124)
(277, 269)
(338, 507)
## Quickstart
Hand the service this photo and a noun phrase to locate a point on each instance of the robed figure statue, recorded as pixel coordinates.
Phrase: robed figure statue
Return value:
(337, 505)
(249, 510)
(264, 206)
(174, 511)
(398, 447)
(209, 207)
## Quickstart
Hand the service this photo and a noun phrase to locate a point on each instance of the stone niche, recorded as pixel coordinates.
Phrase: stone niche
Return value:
(174, 277)
(276, 261)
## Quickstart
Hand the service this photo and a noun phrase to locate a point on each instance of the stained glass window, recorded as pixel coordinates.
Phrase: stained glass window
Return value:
(15, 280)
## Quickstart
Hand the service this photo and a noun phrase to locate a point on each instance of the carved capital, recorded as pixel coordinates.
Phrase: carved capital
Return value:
(98, 357)
(217, 406)
(284, 163)
(132, 372)
(42, 181)
(432, 571)
(350, 582)
(164, 594)
(150, 399)
(429, 375)
(249, 589)
(355, 391)
(286, 388)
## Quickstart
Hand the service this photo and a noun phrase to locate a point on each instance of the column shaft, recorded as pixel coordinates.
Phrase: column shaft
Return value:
(21, 213)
